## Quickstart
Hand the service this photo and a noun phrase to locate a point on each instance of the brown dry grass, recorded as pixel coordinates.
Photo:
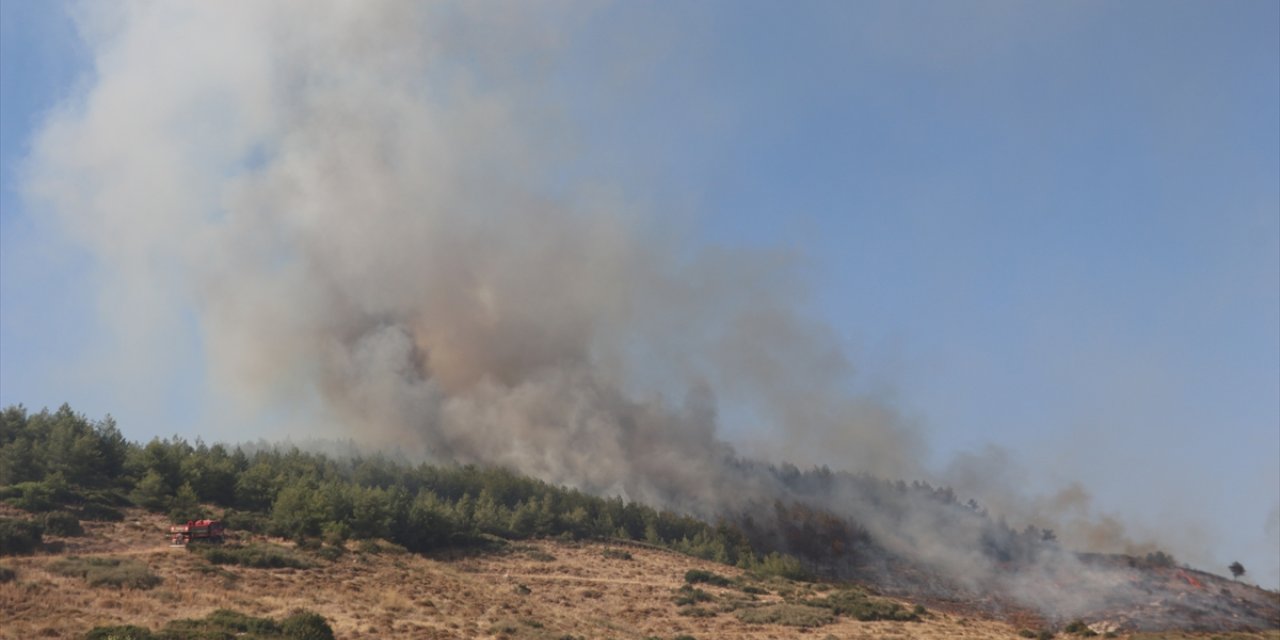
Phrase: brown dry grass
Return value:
(520, 594)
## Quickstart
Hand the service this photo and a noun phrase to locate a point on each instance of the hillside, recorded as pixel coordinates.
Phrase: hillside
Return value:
(531, 589)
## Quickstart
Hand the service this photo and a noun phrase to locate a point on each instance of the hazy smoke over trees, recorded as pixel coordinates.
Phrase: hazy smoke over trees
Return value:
(363, 200)
(369, 202)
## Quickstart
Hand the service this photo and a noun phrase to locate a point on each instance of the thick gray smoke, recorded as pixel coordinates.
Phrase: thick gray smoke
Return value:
(368, 203)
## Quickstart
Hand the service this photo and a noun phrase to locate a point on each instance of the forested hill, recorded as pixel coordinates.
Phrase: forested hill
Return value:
(60, 461)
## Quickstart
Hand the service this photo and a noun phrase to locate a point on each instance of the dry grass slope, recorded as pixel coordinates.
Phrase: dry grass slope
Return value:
(542, 590)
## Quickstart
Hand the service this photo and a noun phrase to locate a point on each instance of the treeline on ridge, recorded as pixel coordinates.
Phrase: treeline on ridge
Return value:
(60, 461)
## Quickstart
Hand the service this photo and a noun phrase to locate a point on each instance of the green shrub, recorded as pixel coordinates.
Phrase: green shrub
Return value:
(330, 553)
(37, 496)
(305, 625)
(100, 512)
(225, 624)
(688, 595)
(538, 555)
(245, 521)
(694, 611)
(61, 523)
(782, 566)
(792, 615)
(858, 605)
(617, 554)
(1078, 627)
(107, 572)
(7, 574)
(694, 576)
(19, 536)
(335, 534)
(119, 632)
(222, 623)
(253, 556)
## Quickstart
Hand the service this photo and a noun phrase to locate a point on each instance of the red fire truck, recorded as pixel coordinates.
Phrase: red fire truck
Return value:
(196, 531)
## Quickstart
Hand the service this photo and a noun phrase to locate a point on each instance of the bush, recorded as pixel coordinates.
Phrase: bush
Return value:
(792, 615)
(19, 536)
(61, 523)
(1078, 627)
(7, 575)
(100, 512)
(782, 566)
(245, 521)
(858, 605)
(225, 624)
(110, 572)
(252, 556)
(694, 576)
(222, 623)
(617, 554)
(688, 595)
(37, 496)
(119, 632)
(335, 534)
(306, 625)
(694, 611)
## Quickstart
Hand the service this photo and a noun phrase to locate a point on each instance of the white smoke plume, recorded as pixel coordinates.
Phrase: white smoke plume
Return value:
(368, 202)
(359, 199)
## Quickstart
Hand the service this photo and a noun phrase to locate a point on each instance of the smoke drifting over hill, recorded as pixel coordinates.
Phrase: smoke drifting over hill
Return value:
(367, 202)
(362, 203)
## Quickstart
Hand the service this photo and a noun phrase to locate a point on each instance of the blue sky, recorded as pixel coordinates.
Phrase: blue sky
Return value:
(1050, 228)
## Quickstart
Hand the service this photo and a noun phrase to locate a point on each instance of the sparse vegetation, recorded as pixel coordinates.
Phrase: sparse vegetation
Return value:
(1236, 569)
(224, 623)
(694, 611)
(107, 572)
(255, 556)
(687, 595)
(61, 523)
(792, 615)
(470, 518)
(782, 566)
(694, 576)
(856, 604)
(120, 632)
(1079, 628)
(19, 536)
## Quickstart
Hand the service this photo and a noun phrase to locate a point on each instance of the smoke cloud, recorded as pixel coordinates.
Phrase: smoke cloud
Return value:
(367, 203)
(363, 203)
